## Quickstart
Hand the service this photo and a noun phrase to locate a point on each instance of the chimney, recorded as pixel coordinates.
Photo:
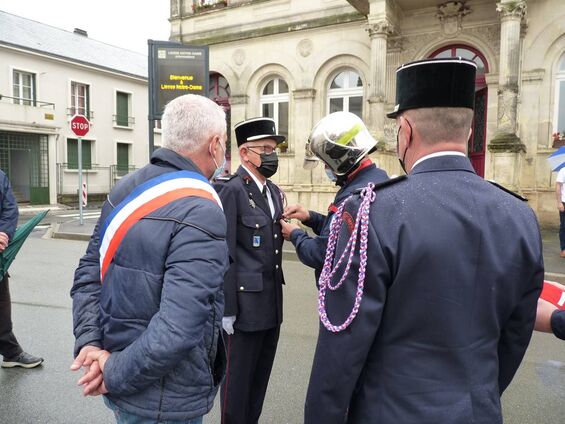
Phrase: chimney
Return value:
(81, 32)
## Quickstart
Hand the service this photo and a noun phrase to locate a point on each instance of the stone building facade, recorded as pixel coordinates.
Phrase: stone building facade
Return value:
(299, 60)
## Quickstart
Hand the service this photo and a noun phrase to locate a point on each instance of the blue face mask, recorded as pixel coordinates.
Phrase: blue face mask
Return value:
(331, 175)
(219, 169)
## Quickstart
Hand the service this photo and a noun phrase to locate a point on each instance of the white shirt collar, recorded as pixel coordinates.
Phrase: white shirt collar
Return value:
(257, 181)
(437, 154)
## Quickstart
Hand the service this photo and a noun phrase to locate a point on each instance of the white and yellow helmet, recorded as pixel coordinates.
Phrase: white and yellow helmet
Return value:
(340, 140)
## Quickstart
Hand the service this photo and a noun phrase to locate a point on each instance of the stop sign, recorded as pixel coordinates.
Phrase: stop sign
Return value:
(80, 125)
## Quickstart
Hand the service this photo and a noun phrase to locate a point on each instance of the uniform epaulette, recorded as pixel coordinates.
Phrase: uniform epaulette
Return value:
(383, 184)
(494, 183)
(225, 178)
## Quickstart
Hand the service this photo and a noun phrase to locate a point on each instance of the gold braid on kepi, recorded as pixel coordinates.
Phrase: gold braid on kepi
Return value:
(340, 140)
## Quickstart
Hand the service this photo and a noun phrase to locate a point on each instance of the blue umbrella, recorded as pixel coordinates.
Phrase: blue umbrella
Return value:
(557, 159)
(9, 254)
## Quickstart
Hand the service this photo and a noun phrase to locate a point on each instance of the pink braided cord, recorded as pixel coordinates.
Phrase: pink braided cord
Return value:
(328, 271)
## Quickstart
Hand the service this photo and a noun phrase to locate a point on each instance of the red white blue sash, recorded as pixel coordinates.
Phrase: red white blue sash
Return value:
(146, 198)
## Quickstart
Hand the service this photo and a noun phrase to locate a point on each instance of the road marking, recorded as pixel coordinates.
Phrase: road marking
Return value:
(85, 214)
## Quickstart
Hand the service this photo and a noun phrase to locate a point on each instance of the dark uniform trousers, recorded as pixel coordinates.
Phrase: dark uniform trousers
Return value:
(253, 293)
(9, 346)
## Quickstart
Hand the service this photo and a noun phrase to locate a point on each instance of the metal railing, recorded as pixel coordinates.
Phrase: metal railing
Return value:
(71, 111)
(27, 102)
(123, 121)
(102, 177)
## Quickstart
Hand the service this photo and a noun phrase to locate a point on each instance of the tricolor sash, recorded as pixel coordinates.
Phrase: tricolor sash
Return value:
(146, 198)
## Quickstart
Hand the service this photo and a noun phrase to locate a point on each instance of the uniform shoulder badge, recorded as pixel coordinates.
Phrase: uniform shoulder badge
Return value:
(383, 184)
(494, 183)
(225, 178)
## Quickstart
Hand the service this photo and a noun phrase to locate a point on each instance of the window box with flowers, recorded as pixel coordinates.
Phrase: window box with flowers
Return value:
(199, 6)
(558, 139)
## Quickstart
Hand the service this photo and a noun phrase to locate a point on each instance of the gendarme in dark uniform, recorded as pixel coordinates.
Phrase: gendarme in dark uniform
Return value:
(253, 283)
(454, 270)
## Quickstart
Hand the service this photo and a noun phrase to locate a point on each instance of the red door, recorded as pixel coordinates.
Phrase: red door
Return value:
(477, 142)
(476, 148)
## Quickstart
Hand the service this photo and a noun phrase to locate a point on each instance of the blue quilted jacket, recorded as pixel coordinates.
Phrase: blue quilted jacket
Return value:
(160, 307)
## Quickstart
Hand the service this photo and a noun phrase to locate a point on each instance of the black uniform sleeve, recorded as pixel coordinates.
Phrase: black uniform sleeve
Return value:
(310, 250)
(229, 202)
(558, 324)
(516, 333)
(316, 222)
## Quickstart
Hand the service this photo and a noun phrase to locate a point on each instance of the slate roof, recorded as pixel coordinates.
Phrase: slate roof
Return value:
(39, 37)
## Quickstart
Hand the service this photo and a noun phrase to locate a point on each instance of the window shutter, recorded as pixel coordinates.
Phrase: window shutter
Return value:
(122, 109)
(72, 153)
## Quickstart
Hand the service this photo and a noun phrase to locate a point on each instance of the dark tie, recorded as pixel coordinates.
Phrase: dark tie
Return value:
(265, 194)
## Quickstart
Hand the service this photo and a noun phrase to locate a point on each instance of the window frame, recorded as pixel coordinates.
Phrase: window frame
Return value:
(85, 167)
(20, 99)
(74, 110)
(119, 173)
(346, 92)
(559, 78)
(275, 99)
(129, 118)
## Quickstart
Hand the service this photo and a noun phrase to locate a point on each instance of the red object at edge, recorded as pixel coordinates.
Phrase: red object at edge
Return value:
(553, 295)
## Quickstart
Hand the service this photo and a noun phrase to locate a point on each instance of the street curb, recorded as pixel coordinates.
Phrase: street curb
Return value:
(67, 236)
(554, 276)
(71, 236)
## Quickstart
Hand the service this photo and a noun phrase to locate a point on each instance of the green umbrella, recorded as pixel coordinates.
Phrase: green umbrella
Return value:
(17, 241)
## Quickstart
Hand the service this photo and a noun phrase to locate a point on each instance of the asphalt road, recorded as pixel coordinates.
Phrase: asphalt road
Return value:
(42, 276)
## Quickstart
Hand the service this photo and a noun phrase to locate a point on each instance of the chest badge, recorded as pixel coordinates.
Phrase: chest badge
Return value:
(256, 241)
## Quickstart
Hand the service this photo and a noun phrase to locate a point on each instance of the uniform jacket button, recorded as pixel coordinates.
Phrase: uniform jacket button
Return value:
(276, 267)
(256, 225)
(276, 236)
(242, 288)
(276, 252)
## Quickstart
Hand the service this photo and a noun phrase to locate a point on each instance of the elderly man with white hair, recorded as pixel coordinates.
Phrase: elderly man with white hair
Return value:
(147, 295)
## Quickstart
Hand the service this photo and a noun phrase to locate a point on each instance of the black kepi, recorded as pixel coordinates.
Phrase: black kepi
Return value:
(446, 82)
(257, 129)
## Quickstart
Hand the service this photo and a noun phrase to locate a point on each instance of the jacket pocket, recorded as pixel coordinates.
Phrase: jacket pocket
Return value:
(254, 221)
(249, 282)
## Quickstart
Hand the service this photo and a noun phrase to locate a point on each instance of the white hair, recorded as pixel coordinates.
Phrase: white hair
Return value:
(189, 121)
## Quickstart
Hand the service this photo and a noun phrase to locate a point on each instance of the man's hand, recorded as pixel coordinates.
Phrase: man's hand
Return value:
(3, 241)
(287, 229)
(81, 357)
(227, 324)
(560, 206)
(296, 212)
(543, 316)
(93, 379)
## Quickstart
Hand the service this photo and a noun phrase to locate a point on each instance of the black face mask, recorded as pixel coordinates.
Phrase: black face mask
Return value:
(269, 164)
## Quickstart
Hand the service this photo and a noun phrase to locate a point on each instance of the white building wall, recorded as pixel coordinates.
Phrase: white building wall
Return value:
(53, 84)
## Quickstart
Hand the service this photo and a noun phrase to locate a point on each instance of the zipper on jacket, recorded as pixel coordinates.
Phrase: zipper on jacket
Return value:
(210, 365)
(213, 338)
(161, 399)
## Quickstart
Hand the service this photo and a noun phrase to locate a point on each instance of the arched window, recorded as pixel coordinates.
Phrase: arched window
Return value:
(465, 52)
(346, 93)
(274, 104)
(559, 116)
